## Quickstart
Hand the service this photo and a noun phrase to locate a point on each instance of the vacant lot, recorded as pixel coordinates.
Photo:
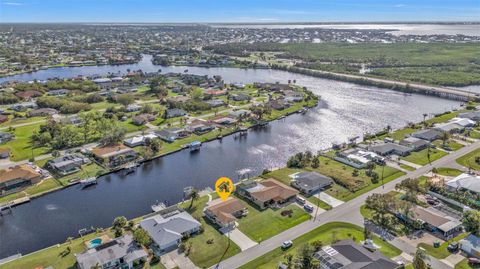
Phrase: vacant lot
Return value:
(469, 160)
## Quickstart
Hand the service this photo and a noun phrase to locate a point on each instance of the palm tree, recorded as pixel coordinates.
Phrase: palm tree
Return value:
(193, 196)
(424, 117)
(445, 137)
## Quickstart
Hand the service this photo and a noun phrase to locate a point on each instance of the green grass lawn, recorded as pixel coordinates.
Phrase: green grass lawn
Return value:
(451, 144)
(468, 160)
(56, 256)
(326, 234)
(445, 171)
(261, 225)
(420, 157)
(21, 147)
(203, 254)
(441, 252)
(406, 167)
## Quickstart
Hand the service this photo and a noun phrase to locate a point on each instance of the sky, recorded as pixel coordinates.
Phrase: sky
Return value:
(266, 11)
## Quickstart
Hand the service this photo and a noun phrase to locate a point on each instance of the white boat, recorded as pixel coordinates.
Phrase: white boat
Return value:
(130, 168)
(88, 181)
(158, 206)
(195, 145)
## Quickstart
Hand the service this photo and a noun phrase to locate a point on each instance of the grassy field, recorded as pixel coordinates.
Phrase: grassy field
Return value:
(450, 144)
(441, 252)
(261, 225)
(468, 160)
(445, 171)
(464, 265)
(406, 167)
(420, 157)
(21, 147)
(326, 234)
(203, 254)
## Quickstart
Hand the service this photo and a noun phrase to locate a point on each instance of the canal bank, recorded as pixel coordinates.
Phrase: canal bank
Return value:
(347, 110)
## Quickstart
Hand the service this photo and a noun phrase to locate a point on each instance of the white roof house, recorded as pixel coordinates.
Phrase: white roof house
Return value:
(138, 140)
(465, 182)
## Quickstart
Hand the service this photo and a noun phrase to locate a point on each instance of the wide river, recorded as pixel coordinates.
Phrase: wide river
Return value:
(345, 110)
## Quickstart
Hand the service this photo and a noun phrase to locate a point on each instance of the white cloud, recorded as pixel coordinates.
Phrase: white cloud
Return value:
(268, 19)
(12, 4)
(400, 5)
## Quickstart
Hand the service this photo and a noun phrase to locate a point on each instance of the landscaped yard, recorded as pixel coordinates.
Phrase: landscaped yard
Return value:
(326, 234)
(421, 157)
(56, 256)
(441, 252)
(451, 144)
(261, 225)
(468, 160)
(204, 254)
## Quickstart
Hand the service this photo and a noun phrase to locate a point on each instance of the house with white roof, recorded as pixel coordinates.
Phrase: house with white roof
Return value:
(138, 140)
(465, 182)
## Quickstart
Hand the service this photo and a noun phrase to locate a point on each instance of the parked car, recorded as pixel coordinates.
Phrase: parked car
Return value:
(287, 244)
(308, 208)
(300, 200)
(473, 261)
(453, 247)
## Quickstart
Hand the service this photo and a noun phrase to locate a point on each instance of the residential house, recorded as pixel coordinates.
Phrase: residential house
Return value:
(474, 115)
(138, 140)
(67, 164)
(471, 245)
(435, 221)
(175, 112)
(224, 214)
(133, 108)
(278, 104)
(347, 254)
(4, 153)
(42, 112)
(267, 193)
(239, 113)
(17, 177)
(293, 96)
(358, 158)
(59, 92)
(172, 134)
(143, 118)
(122, 252)
(414, 143)
(28, 95)
(310, 182)
(3, 118)
(168, 227)
(19, 107)
(428, 134)
(465, 182)
(5, 137)
(200, 126)
(385, 149)
(215, 102)
(224, 121)
(214, 92)
(114, 155)
(178, 99)
(240, 97)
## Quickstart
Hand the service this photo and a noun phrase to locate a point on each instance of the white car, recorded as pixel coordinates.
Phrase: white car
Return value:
(287, 244)
(300, 200)
(308, 208)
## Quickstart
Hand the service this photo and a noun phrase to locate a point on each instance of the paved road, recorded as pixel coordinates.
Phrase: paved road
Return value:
(347, 212)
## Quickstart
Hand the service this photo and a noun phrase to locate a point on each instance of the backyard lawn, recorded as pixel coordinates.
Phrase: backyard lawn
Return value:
(261, 225)
(441, 252)
(326, 234)
(204, 254)
(468, 160)
(420, 157)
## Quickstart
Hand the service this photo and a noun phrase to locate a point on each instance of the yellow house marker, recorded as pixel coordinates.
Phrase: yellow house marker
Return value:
(224, 187)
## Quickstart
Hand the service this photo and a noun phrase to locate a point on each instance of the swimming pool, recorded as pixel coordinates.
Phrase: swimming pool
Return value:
(95, 242)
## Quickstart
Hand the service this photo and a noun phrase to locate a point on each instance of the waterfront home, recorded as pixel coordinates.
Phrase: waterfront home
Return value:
(168, 228)
(200, 126)
(434, 221)
(42, 112)
(114, 155)
(471, 245)
(293, 96)
(138, 140)
(358, 158)
(465, 182)
(225, 213)
(5, 137)
(143, 118)
(267, 193)
(59, 92)
(175, 112)
(172, 134)
(428, 134)
(385, 149)
(67, 164)
(133, 108)
(414, 143)
(348, 254)
(474, 115)
(224, 121)
(278, 104)
(122, 252)
(309, 183)
(455, 125)
(15, 178)
(239, 113)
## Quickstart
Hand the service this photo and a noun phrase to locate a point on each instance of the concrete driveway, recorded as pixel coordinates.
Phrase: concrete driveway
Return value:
(240, 239)
(174, 259)
(332, 201)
